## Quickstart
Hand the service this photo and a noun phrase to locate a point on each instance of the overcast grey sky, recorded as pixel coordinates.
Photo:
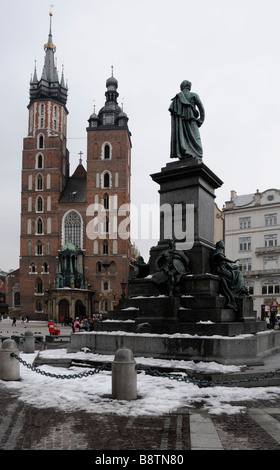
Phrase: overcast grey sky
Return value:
(228, 49)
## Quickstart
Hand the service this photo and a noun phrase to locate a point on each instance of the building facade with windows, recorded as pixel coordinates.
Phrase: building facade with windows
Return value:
(252, 236)
(74, 259)
(3, 293)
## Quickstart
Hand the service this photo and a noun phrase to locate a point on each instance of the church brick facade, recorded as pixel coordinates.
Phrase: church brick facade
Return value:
(75, 250)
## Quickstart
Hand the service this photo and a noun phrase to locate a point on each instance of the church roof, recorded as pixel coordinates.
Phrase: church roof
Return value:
(80, 172)
(75, 189)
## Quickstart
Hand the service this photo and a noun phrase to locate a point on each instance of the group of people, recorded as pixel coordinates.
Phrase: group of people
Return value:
(23, 319)
(86, 324)
(272, 322)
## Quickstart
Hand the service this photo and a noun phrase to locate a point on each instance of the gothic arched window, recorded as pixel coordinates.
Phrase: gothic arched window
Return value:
(40, 161)
(32, 268)
(39, 204)
(39, 287)
(106, 180)
(106, 201)
(39, 182)
(106, 225)
(39, 248)
(73, 229)
(105, 248)
(99, 268)
(41, 142)
(45, 268)
(107, 152)
(39, 226)
(17, 299)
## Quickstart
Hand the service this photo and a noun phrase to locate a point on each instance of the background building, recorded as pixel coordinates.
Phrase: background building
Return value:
(3, 293)
(252, 235)
(74, 259)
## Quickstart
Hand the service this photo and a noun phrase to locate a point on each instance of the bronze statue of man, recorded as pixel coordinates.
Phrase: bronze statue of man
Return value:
(187, 115)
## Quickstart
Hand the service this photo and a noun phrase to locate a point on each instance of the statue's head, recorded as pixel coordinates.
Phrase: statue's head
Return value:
(185, 84)
(171, 242)
(220, 245)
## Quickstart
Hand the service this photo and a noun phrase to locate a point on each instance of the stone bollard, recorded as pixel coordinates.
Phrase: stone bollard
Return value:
(28, 342)
(9, 366)
(124, 375)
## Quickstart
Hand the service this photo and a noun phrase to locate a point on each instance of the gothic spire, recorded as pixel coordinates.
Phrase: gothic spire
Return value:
(50, 72)
(49, 87)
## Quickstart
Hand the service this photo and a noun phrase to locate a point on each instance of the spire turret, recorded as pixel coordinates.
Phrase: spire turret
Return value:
(34, 79)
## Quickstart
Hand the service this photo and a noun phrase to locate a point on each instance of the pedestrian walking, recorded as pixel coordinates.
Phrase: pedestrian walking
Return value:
(76, 325)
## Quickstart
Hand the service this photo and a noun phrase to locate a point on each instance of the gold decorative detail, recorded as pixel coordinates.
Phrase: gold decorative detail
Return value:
(50, 45)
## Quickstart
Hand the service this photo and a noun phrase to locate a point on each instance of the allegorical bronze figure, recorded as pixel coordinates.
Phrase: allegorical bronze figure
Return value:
(232, 281)
(171, 264)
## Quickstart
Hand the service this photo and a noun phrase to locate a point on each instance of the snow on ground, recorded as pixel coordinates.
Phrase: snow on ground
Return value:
(156, 395)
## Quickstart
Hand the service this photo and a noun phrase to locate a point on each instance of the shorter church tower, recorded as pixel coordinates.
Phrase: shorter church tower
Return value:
(108, 245)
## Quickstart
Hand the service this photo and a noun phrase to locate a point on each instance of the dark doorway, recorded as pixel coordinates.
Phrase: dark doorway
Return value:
(63, 311)
(80, 310)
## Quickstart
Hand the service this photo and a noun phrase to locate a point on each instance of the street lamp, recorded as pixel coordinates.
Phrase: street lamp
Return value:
(123, 284)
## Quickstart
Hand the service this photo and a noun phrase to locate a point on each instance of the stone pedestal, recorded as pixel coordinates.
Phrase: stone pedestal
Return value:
(191, 185)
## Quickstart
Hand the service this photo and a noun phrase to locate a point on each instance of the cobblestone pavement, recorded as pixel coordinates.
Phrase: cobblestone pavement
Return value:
(23, 427)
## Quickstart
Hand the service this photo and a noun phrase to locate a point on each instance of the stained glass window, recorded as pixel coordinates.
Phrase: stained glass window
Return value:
(73, 229)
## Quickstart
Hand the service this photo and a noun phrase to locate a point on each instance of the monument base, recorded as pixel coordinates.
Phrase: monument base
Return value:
(194, 326)
(171, 314)
(237, 350)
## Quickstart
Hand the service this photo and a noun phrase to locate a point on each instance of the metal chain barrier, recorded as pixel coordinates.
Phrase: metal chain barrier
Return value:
(211, 383)
(59, 376)
(153, 372)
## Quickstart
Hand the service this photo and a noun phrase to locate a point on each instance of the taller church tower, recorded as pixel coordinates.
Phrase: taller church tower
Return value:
(45, 170)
